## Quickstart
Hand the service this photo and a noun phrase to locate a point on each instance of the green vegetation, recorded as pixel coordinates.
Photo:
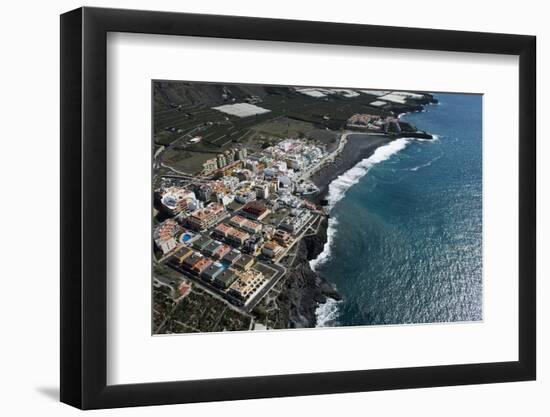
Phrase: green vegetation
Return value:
(281, 128)
(187, 132)
(183, 111)
(162, 305)
(197, 312)
(268, 313)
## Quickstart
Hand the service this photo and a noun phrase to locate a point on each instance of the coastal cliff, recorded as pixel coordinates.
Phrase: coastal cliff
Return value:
(304, 289)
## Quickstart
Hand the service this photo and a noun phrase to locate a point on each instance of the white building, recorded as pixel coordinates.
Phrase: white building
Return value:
(281, 166)
(164, 235)
(284, 182)
(176, 200)
(244, 197)
(262, 190)
(295, 161)
(227, 199)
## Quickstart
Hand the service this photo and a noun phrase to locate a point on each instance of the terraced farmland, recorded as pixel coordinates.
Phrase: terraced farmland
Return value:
(192, 131)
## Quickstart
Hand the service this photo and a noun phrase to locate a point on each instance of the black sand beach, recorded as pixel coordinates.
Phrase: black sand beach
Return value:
(305, 288)
(358, 147)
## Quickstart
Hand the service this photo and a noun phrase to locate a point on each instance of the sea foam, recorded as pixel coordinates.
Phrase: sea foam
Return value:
(433, 139)
(427, 164)
(337, 188)
(325, 254)
(327, 312)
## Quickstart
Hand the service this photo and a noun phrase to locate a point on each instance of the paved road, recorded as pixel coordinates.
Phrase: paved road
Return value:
(282, 270)
(298, 237)
(327, 158)
(210, 289)
(253, 302)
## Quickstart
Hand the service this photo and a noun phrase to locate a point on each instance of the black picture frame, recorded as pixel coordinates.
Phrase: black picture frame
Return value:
(84, 207)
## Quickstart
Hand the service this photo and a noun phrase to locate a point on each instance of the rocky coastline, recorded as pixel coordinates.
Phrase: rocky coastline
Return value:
(304, 288)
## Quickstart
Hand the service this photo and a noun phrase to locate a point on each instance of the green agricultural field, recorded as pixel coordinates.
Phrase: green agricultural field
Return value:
(185, 111)
(186, 161)
(197, 312)
(283, 127)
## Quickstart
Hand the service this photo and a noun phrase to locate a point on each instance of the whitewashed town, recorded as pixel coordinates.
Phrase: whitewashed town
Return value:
(228, 228)
(240, 177)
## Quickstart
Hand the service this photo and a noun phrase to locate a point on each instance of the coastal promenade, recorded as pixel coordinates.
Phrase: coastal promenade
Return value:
(306, 144)
(305, 175)
(283, 270)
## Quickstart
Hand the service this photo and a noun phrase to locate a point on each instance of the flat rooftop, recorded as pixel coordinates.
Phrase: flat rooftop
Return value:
(202, 242)
(226, 278)
(243, 261)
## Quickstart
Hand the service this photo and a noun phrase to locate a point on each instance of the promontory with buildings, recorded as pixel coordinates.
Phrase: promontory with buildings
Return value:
(240, 178)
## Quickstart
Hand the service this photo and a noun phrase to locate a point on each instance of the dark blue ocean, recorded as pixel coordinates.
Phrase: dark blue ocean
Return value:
(405, 235)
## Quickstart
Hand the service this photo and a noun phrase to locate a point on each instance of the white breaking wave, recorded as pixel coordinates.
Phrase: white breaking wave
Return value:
(427, 164)
(337, 188)
(327, 313)
(325, 254)
(433, 139)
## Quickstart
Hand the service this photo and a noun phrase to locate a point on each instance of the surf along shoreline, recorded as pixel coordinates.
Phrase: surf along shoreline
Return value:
(312, 299)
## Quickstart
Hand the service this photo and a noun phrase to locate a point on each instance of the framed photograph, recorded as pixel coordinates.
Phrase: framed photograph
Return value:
(258, 208)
